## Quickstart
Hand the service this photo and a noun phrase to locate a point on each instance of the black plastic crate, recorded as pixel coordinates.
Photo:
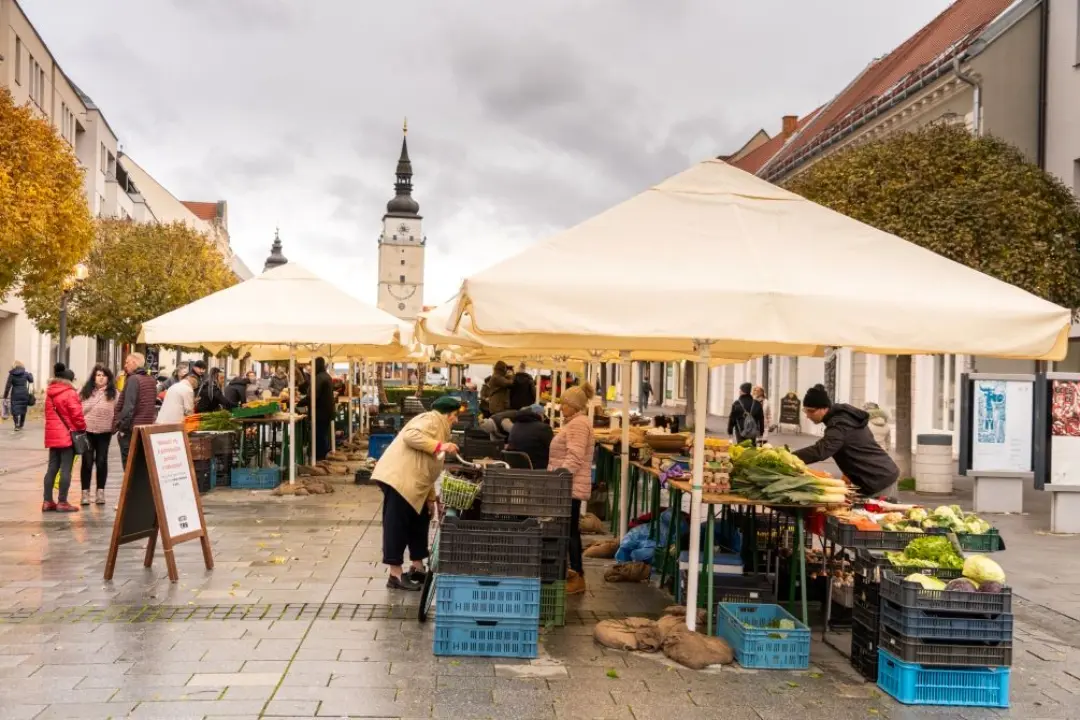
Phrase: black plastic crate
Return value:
(925, 625)
(868, 615)
(867, 593)
(384, 424)
(912, 595)
(475, 448)
(532, 493)
(553, 557)
(742, 589)
(945, 654)
(550, 527)
(490, 547)
(870, 566)
(864, 660)
(222, 443)
(847, 535)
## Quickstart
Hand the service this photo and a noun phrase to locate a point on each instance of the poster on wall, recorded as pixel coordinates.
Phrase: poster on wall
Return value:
(1001, 429)
(1065, 432)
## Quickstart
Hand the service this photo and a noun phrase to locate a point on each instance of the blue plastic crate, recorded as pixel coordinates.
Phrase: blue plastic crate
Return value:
(255, 479)
(480, 597)
(924, 625)
(486, 638)
(747, 629)
(377, 445)
(914, 684)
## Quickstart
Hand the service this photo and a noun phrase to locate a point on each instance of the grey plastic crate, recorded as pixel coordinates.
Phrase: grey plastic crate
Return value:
(945, 654)
(913, 595)
(923, 625)
(490, 547)
(532, 493)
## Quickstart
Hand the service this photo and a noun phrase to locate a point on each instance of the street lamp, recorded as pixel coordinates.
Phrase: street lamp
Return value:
(78, 274)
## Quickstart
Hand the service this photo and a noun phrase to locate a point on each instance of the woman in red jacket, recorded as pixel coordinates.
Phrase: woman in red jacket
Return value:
(63, 416)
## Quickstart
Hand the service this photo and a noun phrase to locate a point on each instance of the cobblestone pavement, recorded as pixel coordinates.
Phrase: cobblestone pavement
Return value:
(295, 622)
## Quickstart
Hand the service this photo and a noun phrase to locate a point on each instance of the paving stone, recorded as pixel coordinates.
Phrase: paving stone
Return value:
(231, 679)
(20, 712)
(297, 708)
(86, 710)
(196, 709)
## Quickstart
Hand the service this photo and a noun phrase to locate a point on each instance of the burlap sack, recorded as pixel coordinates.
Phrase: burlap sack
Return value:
(679, 611)
(602, 549)
(628, 634)
(697, 651)
(628, 572)
(591, 525)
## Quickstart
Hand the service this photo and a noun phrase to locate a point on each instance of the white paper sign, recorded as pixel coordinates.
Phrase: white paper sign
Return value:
(174, 479)
(1001, 426)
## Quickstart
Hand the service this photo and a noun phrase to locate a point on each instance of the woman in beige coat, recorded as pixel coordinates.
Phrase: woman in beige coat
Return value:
(406, 474)
(572, 449)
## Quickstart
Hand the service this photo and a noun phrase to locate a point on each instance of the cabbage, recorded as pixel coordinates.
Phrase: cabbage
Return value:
(928, 583)
(917, 515)
(976, 526)
(982, 569)
(943, 512)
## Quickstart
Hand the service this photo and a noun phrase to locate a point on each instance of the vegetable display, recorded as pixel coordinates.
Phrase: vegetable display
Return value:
(932, 551)
(775, 475)
(945, 517)
(218, 421)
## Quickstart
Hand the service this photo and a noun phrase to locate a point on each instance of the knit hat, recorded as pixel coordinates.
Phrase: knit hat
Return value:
(537, 410)
(446, 405)
(816, 398)
(578, 397)
(58, 369)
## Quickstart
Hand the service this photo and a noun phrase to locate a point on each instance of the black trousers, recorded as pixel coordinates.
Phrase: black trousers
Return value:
(19, 419)
(60, 461)
(576, 562)
(96, 457)
(124, 441)
(403, 527)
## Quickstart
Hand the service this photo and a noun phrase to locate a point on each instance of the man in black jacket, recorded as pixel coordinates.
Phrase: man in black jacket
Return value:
(523, 389)
(532, 436)
(849, 442)
(746, 421)
(325, 407)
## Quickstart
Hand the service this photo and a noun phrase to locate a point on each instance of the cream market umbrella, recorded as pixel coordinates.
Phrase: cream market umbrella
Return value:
(715, 260)
(283, 309)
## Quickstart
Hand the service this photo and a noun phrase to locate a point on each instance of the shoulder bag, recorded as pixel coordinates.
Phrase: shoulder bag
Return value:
(79, 441)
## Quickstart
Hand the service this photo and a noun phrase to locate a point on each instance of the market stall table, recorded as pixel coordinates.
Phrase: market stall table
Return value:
(677, 487)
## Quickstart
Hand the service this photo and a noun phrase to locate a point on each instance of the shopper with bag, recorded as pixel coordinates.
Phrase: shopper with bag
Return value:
(18, 394)
(99, 407)
(65, 436)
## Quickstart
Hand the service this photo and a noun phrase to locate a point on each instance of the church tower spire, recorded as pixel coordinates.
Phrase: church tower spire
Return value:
(276, 259)
(403, 204)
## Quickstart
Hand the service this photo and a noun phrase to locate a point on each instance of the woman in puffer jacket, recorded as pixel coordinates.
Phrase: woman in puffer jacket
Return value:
(63, 416)
(572, 449)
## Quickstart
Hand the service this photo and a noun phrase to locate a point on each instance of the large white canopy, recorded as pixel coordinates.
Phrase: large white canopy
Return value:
(716, 253)
(284, 306)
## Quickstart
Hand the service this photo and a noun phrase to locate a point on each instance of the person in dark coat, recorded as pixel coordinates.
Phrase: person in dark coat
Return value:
(849, 442)
(236, 390)
(17, 391)
(523, 389)
(743, 410)
(532, 436)
(137, 404)
(325, 405)
(210, 397)
(498, 426)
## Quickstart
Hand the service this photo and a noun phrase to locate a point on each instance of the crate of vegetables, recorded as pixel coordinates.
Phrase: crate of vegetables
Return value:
(974, 533)
(960, 595)
(764, 636)
(866, 534)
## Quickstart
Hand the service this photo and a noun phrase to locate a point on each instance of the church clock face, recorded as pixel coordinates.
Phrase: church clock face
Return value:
(403, 228)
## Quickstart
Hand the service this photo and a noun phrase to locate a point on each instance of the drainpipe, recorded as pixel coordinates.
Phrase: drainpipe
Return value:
(977, 105)
(1044, 48)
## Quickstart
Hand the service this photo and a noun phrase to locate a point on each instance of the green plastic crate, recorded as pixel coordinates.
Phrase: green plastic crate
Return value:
(261, 411)
(986, 543)
(553, 603)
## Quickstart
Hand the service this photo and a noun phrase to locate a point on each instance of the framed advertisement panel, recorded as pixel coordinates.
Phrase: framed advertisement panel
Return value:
(1057, 430)
(997, 415)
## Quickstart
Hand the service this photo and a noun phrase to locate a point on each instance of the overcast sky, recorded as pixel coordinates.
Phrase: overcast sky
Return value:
(524, 117)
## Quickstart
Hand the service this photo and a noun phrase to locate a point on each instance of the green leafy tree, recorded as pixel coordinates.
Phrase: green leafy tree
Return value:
(45, 224)
(975, 200)
(136, 272)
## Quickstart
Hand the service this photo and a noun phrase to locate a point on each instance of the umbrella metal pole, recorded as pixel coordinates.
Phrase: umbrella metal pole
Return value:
(363, 392)
(348, 397)
(292, 415)
(701, 380)
(624, 447)
(311, 407)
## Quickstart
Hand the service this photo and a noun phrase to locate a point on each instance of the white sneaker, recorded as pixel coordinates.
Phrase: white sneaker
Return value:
(84, 498)
(99, 498)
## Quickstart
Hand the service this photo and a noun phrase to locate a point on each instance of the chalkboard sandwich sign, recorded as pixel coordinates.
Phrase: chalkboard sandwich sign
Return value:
(159, 496)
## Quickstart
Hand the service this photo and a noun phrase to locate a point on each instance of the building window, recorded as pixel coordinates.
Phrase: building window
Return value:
(33, 79)
(1076, 177)
(402, 262)
(18, 60)
(402, 278)
(104, 158)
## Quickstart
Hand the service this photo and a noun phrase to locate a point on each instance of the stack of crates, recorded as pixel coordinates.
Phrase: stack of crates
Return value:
(487, 595)
(944, 647)
(548, 497)
(865, 621)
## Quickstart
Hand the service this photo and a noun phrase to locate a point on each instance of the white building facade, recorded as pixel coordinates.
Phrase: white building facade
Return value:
(28, 70)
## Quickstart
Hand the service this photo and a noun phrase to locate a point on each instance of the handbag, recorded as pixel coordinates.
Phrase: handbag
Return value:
(79, 441)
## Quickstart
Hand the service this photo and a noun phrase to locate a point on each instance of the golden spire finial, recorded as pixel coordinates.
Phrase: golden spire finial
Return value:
(405, 126)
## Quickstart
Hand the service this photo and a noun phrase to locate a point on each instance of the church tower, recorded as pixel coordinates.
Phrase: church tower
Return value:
(401, 246)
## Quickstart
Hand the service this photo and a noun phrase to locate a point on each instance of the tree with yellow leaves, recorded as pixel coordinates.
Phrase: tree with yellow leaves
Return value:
(135, 272)
(45, 224)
